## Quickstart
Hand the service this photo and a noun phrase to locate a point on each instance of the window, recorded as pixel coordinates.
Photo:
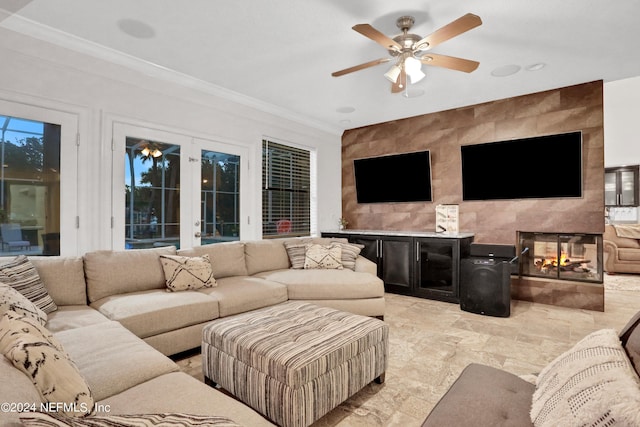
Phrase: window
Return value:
(29, 186)
(285, 190)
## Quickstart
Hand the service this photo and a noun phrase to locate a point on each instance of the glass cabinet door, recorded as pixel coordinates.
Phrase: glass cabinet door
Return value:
(628, 188)
(437, 271)
(610, 189)
(621, 186)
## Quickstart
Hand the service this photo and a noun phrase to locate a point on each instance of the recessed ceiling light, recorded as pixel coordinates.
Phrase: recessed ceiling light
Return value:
(505, 70)
(537, 66)
(345, 110)
(137, 29)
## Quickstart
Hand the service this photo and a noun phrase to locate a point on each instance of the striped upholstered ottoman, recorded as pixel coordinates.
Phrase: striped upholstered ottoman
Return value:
(294, 362)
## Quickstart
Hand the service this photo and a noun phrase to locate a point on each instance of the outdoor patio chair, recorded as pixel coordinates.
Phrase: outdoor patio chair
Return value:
(12, 237)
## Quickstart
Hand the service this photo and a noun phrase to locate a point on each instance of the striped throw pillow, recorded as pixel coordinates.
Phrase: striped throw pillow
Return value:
(22, 275)
(40, 419)
(350, 252)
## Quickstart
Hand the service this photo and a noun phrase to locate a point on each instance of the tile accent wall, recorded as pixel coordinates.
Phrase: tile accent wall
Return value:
(562, 110)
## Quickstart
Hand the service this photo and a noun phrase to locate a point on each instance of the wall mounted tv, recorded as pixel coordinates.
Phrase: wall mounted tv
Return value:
(394, 178)
(529, 168)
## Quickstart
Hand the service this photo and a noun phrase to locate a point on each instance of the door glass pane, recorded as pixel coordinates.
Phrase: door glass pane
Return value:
(152, 187)
(29, 187)
(220, 197)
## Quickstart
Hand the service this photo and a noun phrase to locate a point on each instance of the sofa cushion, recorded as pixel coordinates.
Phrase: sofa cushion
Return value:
(625, 254)
(483, 396)
(73, 316)
(22, 275)
(63, 277)
(194, 397)
(187, 272)
(153, 312)
(327, 257)
(33, 350)
(15, 387)
(326, 284)
(119, 272)
(611, 235)
(265, 255)
(227, 259)
(10, 299)
(593, 383)
(112, 359)
(51, 419)
(239, 294)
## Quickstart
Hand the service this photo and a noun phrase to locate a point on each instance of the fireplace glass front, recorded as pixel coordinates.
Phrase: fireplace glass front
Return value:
(564, 256)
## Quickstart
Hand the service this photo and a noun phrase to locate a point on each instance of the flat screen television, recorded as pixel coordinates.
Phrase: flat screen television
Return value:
(394, 178)
(528, 168)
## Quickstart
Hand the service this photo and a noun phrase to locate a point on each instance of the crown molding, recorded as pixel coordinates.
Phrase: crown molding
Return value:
(60, 38)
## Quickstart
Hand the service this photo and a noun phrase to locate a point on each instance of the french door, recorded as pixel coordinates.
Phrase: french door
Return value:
(172, 189)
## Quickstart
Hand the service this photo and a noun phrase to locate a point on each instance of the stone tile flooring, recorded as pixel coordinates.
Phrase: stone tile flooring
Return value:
(431, 342)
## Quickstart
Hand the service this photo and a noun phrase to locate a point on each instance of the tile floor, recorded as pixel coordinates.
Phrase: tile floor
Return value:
(431, 342)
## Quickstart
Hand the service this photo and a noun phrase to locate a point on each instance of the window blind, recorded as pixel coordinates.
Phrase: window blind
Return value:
(285, 190)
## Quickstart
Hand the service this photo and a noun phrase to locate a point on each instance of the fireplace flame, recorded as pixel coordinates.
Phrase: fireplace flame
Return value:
(547, 263)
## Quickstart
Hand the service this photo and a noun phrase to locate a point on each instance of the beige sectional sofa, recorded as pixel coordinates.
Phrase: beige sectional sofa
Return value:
(117, 321)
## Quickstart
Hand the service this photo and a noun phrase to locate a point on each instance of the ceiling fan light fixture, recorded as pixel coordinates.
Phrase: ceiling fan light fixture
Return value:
(393, 73)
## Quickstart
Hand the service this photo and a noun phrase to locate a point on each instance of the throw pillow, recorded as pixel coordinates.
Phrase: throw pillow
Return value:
(21, 275)
(40, 419)
(296, 252)
(350, 252)
(183, 273)
(323, 256)
(591, 384)
(33, 350)
(10, 299)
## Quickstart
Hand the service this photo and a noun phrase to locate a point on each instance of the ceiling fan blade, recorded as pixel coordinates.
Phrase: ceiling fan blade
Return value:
(360, 67)
(452, 29)
(375, 35)
(401, 83)
(450, 62)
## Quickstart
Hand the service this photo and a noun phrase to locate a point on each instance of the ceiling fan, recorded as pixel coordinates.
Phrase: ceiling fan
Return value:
(411, 50)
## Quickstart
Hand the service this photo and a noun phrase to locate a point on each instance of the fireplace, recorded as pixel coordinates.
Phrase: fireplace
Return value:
(564, 256)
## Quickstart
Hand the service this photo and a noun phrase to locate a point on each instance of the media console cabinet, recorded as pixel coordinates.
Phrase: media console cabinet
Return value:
(421, 264)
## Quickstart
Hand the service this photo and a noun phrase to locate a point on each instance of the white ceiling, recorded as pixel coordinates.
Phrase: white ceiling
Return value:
(282, 52)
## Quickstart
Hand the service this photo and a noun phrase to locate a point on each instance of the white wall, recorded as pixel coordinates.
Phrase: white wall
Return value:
(621, 140)
(100, 92)
(622, 122)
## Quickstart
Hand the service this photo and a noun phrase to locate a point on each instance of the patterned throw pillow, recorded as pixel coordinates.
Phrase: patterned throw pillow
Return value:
(39, 419)
(21, 275)
(33, 350)
(591, 384)
(323, 257)
(183, 273)
(10, 299)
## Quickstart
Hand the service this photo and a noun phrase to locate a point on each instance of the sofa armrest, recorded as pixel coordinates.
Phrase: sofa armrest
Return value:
(364, 265)
(610, 255)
